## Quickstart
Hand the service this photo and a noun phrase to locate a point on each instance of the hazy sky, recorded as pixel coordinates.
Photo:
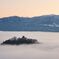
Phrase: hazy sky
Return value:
(28, 7)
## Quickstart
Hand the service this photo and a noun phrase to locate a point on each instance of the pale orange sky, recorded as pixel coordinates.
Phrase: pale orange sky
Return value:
(28, 8)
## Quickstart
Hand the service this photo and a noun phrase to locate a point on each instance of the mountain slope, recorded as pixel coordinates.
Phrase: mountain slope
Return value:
(39, 23)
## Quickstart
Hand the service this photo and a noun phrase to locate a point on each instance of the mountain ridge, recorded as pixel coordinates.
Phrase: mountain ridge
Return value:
(47, 23)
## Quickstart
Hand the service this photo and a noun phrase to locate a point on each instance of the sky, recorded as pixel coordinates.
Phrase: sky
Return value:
(28, 8)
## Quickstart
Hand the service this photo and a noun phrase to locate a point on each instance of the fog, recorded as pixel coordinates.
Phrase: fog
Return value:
(47, 49)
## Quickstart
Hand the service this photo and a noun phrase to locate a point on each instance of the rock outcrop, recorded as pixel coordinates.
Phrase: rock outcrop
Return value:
(18, 41)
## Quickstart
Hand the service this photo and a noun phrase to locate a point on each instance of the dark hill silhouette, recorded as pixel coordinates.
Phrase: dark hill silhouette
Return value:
(46, 23)
(18, 41)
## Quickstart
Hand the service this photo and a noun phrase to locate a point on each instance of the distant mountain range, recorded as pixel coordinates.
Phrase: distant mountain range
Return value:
(47, 23)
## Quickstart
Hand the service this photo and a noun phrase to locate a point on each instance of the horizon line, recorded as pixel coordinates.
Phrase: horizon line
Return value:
(28, 16)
